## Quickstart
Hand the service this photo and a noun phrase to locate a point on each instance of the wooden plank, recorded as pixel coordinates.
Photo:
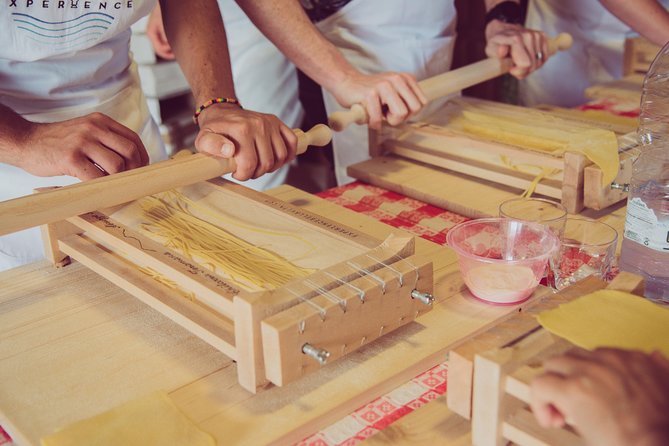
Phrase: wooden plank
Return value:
(461, 358)
(210, 289)
(210, 326)
(475, 169)
(53, 393)
(72, 345)
(522, 429)
(449, 190)
(638, 55)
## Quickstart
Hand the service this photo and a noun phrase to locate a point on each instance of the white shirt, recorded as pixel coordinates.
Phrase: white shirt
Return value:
(595, 57)
(60, 60)
(59, 54)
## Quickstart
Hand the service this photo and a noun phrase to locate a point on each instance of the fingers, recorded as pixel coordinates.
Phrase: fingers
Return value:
(76, 146)
(402, 96)
(290, 140)
(527, 48)
(258, 142)
(126, 144)
(374, 111)
(546, 393)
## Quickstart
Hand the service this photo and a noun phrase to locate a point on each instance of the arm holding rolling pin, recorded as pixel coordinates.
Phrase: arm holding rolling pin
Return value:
(391, 96)
(94, 144)
(506, 37)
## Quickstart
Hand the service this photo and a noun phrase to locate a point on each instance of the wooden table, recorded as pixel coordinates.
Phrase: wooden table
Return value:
(73, 345)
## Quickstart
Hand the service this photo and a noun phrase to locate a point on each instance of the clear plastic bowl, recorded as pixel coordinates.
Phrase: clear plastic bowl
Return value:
(502, 260)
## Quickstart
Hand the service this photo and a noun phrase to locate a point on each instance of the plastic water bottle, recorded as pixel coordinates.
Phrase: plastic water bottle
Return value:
(645, 249)
(654, 117)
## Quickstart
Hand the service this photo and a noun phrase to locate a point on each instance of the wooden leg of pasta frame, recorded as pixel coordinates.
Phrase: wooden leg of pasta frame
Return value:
(572, 182)
(490, 403)
(51, 233)
(249, 312)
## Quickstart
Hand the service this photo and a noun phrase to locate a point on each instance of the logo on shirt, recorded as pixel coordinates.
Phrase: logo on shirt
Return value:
(65, 24)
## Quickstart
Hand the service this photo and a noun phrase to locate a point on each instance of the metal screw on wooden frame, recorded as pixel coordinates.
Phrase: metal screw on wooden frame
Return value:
(625, 187)
(425, 298)
(319, 354)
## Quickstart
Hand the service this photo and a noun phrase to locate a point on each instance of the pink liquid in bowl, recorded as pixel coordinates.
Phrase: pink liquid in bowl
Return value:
(502, 261)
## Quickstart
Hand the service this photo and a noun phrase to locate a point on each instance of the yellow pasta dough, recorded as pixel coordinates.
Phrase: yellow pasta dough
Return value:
(609, 318)
(538, 131)
(153, 420)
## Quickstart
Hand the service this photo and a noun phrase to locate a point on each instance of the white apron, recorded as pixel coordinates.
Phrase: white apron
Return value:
(595, 57)
(387, 35)
(265, 80)
(47, 81)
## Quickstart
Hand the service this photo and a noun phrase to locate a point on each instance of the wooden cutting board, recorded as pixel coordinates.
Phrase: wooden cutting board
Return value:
(73, 345)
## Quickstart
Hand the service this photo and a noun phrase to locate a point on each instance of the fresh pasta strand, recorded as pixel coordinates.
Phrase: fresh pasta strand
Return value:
(168, 218)
(217, 216)
(161, 279)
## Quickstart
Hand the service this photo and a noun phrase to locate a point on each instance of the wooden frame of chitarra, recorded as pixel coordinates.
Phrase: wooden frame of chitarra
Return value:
(578, 184)
(274, 336)
(489, 374)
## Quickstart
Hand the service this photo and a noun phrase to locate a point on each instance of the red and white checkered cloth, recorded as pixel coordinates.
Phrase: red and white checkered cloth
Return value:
(615, 107)
(383, 411)
(424, 220)
(4, 438)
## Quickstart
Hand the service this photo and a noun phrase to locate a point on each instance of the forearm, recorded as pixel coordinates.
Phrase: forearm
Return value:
(196, 34)
(13, 132)
(647, 17)
(286, 24)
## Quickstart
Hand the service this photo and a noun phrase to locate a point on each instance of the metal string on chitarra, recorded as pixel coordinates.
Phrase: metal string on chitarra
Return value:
(343, 308)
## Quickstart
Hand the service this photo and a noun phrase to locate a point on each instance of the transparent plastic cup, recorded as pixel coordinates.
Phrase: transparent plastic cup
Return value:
(547, 212)
(502, 260)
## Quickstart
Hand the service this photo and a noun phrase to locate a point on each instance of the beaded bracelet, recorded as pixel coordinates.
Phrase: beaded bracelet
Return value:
(211, 102)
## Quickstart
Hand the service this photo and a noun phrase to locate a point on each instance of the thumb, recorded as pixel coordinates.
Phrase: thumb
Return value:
(214, 144)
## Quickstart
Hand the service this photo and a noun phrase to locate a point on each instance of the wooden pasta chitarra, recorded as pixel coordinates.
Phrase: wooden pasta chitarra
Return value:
(489, 375)
(354, 288)
(448, 140)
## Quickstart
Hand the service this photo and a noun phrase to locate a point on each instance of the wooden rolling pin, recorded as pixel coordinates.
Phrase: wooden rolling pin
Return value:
(60, 203)
(449, 82)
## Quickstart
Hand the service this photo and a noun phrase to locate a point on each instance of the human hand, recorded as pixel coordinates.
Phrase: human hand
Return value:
(87, 147)
(610, 396)
(395, 96)
(259, 143)
(155, 31)
(527, 48)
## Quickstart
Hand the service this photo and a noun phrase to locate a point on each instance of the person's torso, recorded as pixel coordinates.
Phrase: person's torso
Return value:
(585, 19)
(55, 53)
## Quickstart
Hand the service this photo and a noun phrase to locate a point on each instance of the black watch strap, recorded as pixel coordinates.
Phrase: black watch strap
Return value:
(507, 12)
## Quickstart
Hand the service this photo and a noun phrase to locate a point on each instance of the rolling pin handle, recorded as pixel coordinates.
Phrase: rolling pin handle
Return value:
(338, 121)
(319, 135)
(562, 42)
